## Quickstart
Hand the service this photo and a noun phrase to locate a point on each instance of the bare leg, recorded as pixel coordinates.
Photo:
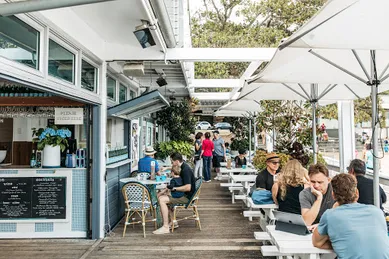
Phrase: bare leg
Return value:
(163, 201)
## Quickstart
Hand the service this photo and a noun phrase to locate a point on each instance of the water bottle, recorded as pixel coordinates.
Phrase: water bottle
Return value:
(152, 177)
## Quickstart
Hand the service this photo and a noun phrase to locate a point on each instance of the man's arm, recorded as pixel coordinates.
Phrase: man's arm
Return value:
(274, 192)
(260, 181)
(308, 211)
(321, 241)
(184, 188)
(383, 195)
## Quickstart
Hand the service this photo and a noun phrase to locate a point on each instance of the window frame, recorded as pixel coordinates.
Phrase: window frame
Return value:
(97, 76)
(71, 49)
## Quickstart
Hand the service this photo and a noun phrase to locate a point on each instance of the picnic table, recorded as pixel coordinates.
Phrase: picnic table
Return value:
(301, 245)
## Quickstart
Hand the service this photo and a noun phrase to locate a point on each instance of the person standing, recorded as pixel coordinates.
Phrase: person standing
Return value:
(219, 152)
(206, 154)
(198, 171)
(352, 229)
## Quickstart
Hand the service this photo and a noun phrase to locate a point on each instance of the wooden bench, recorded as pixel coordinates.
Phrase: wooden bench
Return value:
(273, 251)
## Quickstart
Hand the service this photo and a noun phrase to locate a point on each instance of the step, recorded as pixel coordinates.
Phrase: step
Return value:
(262, 236)
(252, 213)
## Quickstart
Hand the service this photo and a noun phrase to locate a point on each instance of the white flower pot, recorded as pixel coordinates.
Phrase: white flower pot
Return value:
(51, 157)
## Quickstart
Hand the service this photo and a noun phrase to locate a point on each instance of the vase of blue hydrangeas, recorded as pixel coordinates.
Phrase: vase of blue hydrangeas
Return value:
(52, 141)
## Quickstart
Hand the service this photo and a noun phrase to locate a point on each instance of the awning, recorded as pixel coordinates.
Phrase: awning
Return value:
(140, 106)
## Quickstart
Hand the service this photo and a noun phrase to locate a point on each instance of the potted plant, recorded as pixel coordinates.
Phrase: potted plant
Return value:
(238, 144)
(52, 141)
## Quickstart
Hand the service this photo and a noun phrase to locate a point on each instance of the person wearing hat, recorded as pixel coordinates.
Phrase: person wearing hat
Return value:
(265, 179)
(144, 164)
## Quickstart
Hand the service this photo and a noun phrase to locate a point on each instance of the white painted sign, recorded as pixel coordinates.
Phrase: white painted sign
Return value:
(66, 116)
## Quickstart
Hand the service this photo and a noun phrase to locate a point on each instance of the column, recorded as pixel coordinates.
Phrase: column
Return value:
(346, 134)
(99, 160)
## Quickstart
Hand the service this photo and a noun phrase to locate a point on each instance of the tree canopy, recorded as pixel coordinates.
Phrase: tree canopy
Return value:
(250, 23)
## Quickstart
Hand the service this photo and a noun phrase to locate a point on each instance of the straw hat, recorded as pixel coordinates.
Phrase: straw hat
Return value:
(150, 151)
(272, 156)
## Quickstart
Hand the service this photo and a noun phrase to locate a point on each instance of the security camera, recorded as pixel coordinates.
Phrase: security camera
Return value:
(143, 35)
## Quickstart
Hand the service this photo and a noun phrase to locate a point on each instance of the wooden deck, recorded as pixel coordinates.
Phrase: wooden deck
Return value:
(225, 234)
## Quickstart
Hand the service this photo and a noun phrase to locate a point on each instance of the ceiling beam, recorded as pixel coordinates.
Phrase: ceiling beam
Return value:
(120, 52)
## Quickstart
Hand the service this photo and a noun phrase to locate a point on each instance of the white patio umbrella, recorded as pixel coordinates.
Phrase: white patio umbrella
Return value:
(344, 44)
(243, 108)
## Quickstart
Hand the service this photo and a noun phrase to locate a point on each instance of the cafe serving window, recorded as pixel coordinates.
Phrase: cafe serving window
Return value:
(122, 94)
(88, 76)
(111, 88)
(19, 41)
(61, 62)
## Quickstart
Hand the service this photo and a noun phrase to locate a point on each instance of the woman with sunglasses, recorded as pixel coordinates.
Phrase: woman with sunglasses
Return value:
(266, 178)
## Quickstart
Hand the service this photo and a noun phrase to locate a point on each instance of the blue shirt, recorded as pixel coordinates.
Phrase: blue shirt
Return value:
(144, 164)
(356, 231)
(369, 159)
(176, 182)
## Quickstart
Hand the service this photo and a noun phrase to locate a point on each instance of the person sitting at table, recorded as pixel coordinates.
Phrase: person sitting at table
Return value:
(144, 164)
(241, 158)
(176, 181)
(188, 187)
(290, 182)
(352, 229)
(317, 198)
(265, 179)
(365, 185)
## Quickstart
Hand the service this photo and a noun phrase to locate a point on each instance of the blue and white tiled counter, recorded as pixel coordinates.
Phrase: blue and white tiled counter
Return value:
(72, 224)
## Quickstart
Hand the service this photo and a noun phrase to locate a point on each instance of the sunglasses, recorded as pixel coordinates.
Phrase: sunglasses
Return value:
(274, 163)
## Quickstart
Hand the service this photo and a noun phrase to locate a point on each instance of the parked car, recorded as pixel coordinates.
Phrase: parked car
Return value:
(203, 125)
(223, 125)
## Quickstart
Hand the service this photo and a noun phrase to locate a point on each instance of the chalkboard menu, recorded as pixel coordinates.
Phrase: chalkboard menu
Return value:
(33, 198)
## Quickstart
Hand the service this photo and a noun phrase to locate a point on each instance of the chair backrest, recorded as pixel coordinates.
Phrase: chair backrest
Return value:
(196, 194)
(137, 194)
(134, 173)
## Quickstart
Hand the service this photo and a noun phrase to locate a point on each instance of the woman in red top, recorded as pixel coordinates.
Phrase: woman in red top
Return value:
(206, 155)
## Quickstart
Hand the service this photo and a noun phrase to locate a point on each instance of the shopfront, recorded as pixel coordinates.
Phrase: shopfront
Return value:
(43, 192)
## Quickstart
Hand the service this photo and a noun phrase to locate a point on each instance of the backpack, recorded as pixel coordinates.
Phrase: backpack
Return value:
(262, 197)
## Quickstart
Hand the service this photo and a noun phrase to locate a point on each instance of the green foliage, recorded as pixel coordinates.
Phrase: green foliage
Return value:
(291, 121)
(165, 149)
(178, 121)
(51, 136)
(362, 111)
(320, 159)
(259, 160)
(240, 126)
(238, 144)
(261, 24)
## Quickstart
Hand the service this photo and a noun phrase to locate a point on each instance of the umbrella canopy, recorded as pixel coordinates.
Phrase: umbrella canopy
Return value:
(242, 105)
(343, 43)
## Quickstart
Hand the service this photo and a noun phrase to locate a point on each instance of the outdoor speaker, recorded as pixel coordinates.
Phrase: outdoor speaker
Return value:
(144, 37)
(161, 81)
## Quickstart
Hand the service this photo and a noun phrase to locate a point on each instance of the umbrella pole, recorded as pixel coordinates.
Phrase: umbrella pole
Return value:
(314, 132)
(250, 140)
(255, 134)
(376, 180)
(374, 91)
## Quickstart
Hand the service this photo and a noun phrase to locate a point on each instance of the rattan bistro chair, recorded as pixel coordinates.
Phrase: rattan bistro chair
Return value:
(138, 201)
(192, 204)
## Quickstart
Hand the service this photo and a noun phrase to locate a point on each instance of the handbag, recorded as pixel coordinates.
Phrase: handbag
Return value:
(262, 197)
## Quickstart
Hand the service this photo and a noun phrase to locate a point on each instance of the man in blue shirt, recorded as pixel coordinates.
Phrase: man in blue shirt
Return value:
(352, 229)
(144, 164)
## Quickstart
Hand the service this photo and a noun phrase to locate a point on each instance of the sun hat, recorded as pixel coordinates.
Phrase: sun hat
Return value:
(271, 156)
(150, 151)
